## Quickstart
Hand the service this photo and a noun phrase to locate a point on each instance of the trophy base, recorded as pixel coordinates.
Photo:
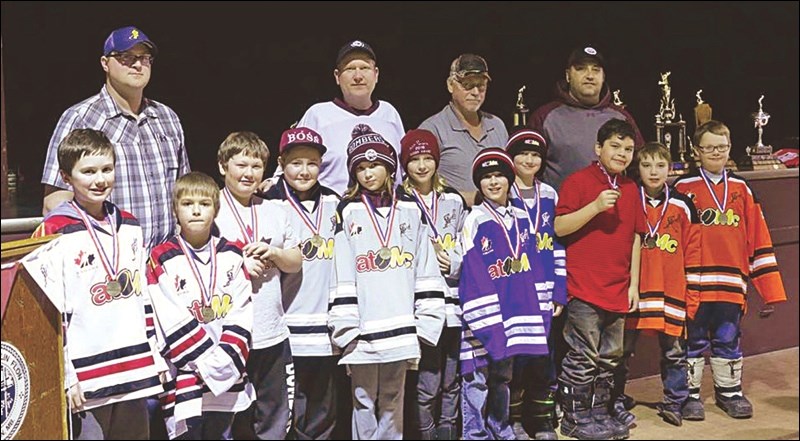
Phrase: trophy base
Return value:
(761, 162)
(679, 168)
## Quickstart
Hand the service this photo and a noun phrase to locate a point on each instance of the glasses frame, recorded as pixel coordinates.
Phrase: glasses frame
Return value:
(145, 59)
(722, 148)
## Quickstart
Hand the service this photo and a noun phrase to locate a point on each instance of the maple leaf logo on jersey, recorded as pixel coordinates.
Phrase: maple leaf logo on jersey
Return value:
(80, 262)
(486, 245)
(180, 284)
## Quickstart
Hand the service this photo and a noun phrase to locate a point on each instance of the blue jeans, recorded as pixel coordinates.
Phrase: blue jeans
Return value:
(438, 385)
(674, 368)
(594, 337)
(717, 325)
(485, 398)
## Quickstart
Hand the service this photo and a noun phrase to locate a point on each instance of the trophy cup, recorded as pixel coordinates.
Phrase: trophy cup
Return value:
(759, 156)
(521, 112)
(702, 115)
(667, 130)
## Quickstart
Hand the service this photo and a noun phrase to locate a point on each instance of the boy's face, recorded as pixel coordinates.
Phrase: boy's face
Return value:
(301, 167)
(653, 171)
(195, 214)
(371, 175)
(494, 187)
(528, 163)
(92, 179)
(421, 168)
(615, 154)
(243, 174)
(715, 160)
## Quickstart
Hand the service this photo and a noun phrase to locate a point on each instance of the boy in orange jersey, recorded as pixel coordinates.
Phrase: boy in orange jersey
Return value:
(736, 247)
(670, 248)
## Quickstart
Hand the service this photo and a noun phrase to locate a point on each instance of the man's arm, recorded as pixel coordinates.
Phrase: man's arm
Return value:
(53, 197)
(567, 224)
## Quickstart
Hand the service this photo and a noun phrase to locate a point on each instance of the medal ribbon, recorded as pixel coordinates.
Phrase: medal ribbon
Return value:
(108, 266)
(515, 250)
(383, 238)
(536, 200)
(711, 189)
(207, 291)
(248, 237)
(295, 203)
(611, 182)
(663, 211)
(431, 214)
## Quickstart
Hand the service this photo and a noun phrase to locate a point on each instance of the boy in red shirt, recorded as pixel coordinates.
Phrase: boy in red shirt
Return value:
(600, 218)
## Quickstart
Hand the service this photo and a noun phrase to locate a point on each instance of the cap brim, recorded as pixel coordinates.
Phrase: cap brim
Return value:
(321, 148)
(466, 73)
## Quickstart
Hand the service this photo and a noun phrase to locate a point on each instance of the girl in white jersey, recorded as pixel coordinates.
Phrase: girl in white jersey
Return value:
(437, 385)
(386, 293)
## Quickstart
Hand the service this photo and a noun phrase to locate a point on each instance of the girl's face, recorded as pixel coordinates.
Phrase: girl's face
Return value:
(371, 175)
(421, 168)
(494, 187)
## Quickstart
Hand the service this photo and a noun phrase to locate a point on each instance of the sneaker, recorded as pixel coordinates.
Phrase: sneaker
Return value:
(627, 401)
(671, 413)
(736, 406)
(693, 410)
(622, 415)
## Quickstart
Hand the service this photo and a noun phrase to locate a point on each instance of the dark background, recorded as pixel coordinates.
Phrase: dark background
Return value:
(235, 66)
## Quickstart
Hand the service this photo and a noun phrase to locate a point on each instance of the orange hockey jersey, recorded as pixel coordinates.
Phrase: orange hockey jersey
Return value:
(735, 243)
(667, 255)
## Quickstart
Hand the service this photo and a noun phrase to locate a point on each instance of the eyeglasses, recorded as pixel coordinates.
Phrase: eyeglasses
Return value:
(722, 148)
(129, 60)
(469, 84)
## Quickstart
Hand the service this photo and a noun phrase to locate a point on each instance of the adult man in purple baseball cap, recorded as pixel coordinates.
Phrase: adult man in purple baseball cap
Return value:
(147, 136)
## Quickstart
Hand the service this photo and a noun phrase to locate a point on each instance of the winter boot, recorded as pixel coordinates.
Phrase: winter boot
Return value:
(578, 422)
(537, 417)
(728, 387)
(601, 406)
(671, 413)
(693, 409)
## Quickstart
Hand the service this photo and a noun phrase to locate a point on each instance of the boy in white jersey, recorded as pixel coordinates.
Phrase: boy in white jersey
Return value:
(311, 209)
(271, 249)
(205, 275)
(97, 266)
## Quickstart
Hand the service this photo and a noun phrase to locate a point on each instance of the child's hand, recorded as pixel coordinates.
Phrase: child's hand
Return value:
(606, 199)
(76, 397)
(633, 298)
(256, 249)
(444, 260)
(254, 266)
(557, 309)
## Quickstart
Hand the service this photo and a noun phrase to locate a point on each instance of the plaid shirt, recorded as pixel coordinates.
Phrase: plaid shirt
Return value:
(150, 156)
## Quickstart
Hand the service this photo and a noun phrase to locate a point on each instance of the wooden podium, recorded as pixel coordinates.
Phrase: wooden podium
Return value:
(32, 325)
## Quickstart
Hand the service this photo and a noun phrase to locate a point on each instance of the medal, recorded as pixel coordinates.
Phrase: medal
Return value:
(533, 226)
(516, 265)
(723, 218)
(110, 265)
(315, 228)
(515, 251)
(207, 313)
(113, 288)
(383, 237)
(249, 232)
(650, 239)
(430, 215)
(206, 291)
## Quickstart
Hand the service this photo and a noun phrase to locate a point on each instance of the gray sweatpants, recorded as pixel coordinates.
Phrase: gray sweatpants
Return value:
(378, 391)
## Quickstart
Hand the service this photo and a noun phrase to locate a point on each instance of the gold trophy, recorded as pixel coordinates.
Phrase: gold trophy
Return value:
(702, 115)
(617, 100)
(667, 130)
(521, 112)
(759, 156)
